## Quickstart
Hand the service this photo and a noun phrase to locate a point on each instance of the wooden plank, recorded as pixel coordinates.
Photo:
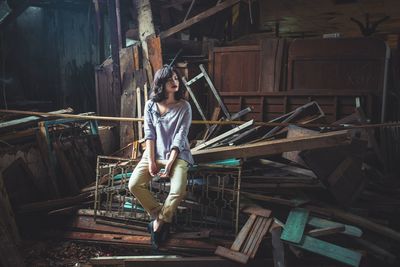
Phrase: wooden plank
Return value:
(119, 260)
(7, 213)
(195, 262)
(241, 237)
(232, 255)
(139, 241)
(139, 109)
(257, 211)
(295, 131)
(155, 53)
(265, 148)
(14, 124)
(323, 223)
(198, 18)
(295, 225)
(264, 229)
(223, 136)
(326, 231)
(253, 235)
(329, 250)
(128, 109)
(70, 184)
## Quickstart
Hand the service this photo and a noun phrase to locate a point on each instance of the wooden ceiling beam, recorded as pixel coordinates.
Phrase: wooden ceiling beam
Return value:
(203, 15)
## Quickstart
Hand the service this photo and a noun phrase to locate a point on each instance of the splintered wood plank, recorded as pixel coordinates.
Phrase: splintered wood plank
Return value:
(232, 255)
(241, 237)
(326, 231)
(264, 148)
(250, 237)
(323, 223)
(264, 230)
(329, 250)
(295, 224)
(255, 237)
(198, 18)
(257, 210)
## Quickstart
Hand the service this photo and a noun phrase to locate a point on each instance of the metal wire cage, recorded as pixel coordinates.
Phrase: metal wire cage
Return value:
(212, 200)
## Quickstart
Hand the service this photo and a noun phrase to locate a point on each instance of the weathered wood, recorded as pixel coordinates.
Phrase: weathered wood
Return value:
(155, 53)
(232, 255)
(41, 140)
(7, 213)
(115, 45)
(295, 225)
(70, 182)
(257, 211)
(241, 237)
(139, 241)
(323, 223)
(139, 110)
(195, 262)
(329, 250)
(52, 204)
(128, 109)
(295, 131)
(14, 124)
(198, 18)
(223, 136)
(119, 260)
(326, 231)
(357, 220)
(264, 229)
(252, 236)
(273, 147)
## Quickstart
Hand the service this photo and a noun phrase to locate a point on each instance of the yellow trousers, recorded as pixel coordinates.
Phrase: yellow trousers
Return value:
(139, 186)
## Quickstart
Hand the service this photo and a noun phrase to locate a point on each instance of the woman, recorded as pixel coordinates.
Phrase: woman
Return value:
(167, 118)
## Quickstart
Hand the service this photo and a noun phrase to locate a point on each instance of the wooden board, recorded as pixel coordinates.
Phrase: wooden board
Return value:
(265, 148)
(329, 250)
(241, 237)
(295, 225)
(232, 255)
(323, 223)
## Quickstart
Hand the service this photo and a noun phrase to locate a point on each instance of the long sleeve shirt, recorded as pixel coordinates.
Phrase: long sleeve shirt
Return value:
(169, 130)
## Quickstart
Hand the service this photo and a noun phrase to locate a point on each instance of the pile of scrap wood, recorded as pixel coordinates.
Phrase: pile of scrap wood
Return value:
(45, 164)
(298, 195)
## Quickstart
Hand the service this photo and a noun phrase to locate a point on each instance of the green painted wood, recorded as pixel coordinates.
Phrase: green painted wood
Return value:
(323, 223)
(295, 224)
(329, 250)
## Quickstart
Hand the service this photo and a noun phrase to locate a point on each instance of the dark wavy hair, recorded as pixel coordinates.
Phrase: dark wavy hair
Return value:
(161, 78)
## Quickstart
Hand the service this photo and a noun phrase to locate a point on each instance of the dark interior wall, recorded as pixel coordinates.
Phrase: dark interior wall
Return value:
(50, 55)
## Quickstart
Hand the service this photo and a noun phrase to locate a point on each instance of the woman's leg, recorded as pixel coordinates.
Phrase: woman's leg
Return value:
(139, 187)
(177, 191)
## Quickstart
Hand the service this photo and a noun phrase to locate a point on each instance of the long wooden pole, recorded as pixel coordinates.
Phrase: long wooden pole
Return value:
(105, 118)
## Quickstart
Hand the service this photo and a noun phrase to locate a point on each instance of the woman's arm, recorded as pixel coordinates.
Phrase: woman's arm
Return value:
(153, 169)
(150, 136)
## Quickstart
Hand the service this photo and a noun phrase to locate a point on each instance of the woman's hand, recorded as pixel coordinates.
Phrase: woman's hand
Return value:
(167, 169)
(153, 168)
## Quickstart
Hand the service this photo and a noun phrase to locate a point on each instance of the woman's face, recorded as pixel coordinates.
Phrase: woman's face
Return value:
(172, 84)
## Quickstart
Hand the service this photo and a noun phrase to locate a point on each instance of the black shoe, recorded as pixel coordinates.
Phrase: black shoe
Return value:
(155, 236)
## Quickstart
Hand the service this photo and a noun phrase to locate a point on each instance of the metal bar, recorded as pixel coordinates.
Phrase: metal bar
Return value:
(215, 92)
(193, 80)
(195, 101)
(189, 9)
(223, 136)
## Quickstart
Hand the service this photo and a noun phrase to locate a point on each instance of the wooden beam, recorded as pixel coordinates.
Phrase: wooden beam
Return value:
(115, 45)
(198, 18)
(223, 136)
(273, 147)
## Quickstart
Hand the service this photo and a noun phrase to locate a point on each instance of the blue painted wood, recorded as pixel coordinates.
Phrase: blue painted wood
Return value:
(329, 250)
(295, 224)
(323, 223)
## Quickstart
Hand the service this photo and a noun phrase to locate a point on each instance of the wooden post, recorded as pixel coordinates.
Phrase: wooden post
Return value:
(100, 29)
(113, 22)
